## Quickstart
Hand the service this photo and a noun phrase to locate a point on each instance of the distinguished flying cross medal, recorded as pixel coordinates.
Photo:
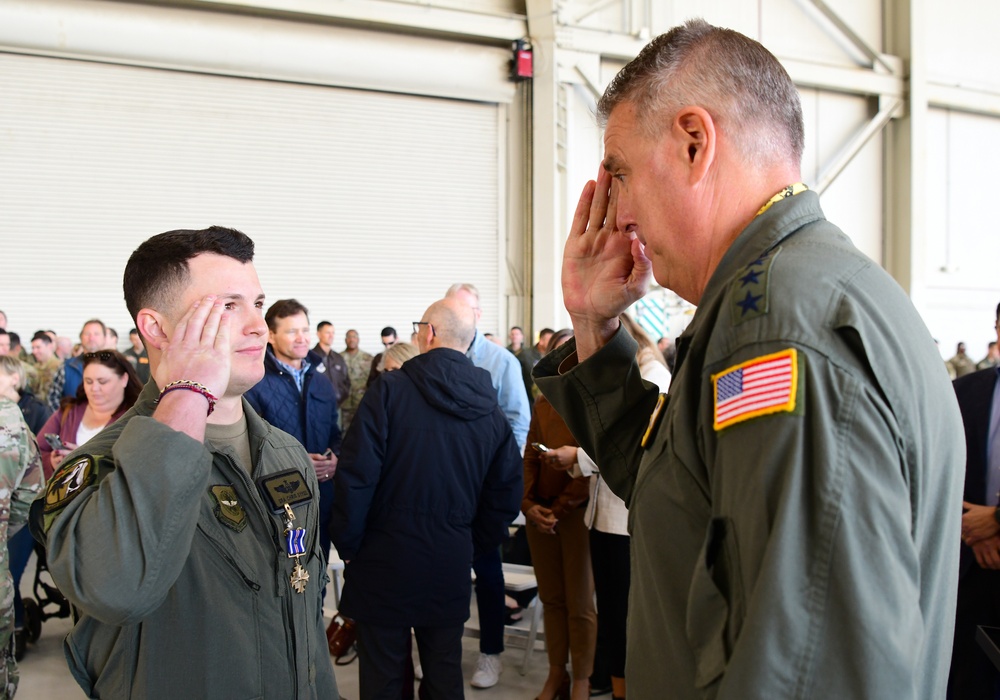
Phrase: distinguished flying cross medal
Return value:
(295, 539)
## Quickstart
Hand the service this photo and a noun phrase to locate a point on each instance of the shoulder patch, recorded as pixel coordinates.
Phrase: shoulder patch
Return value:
(751, 289)
(757, 387)
(68, 482)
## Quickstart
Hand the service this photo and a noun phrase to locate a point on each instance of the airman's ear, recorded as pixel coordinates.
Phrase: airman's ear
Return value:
(149, 323)
(695, 128)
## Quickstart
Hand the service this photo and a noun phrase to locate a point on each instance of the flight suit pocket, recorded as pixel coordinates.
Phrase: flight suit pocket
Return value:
(715, 603)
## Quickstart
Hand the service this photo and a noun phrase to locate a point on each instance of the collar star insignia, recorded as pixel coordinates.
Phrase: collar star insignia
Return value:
(751, 277)
(749, 303)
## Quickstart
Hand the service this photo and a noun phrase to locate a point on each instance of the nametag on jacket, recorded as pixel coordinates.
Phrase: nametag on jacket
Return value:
(284, 488)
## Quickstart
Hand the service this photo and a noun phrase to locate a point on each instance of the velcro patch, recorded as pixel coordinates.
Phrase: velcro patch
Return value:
(287, 487)
(68, 482)
(227, 507)
(757, 387)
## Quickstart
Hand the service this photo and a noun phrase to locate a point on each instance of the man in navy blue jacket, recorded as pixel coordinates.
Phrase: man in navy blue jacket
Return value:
(430, 477)
(296, 396)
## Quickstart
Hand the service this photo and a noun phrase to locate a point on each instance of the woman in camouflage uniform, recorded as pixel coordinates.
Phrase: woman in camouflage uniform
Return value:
(20, 479)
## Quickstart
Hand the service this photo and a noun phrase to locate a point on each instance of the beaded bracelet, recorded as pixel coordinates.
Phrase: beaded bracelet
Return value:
(190, 386)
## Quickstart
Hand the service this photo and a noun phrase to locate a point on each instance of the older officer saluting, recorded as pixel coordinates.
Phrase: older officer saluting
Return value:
(795, 504)
(185, 534)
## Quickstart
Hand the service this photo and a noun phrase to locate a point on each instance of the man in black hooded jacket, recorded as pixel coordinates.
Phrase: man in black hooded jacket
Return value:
(430, 475)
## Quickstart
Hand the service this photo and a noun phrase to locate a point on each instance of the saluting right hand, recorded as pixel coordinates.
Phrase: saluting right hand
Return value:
(604, 270)
(199, 349)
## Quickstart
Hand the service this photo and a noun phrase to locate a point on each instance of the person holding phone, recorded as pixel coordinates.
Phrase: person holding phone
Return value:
(553, 505)
(110, 387)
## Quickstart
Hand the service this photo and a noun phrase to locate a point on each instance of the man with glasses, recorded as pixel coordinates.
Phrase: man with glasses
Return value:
(429, 478)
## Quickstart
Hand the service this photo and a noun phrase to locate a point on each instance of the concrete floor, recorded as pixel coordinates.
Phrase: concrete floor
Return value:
(45, 676)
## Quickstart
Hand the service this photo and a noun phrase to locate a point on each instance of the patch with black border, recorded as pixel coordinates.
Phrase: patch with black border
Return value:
(287, 487)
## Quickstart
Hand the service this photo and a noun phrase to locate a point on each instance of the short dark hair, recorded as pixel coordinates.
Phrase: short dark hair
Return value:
(160, 264)
(321, 325)
(3, 331)
(544, 331)
(15, 339)
(998, 312)
(283, 308)
(133, 331)
(42, 336)
(517, 328)
(388, 330)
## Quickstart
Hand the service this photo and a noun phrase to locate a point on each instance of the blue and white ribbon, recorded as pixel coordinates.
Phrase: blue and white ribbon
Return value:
(296, 541)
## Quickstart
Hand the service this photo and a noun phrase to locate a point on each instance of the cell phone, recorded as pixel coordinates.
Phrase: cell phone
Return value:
(540, 447)
(55, 442)
(329, 452)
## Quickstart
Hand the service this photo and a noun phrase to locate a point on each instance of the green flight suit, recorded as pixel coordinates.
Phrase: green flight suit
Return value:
(809, 550)
(177, 566)
(21, 477)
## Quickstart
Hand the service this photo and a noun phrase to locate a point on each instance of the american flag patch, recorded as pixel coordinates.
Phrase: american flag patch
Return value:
(757, 387)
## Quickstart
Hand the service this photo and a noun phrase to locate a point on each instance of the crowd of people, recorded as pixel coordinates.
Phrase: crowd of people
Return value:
(788, 522)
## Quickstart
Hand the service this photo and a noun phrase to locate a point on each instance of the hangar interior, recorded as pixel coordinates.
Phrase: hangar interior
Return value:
(378, 150)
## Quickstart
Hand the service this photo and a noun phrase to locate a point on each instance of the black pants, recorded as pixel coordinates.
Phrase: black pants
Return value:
(611, 560)
(973, 675)
(382, 656)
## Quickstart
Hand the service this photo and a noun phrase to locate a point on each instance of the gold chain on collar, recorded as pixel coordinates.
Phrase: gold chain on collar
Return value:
(785, 193)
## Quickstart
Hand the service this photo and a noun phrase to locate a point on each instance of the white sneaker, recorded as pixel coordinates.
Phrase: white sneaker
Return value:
(488, 669)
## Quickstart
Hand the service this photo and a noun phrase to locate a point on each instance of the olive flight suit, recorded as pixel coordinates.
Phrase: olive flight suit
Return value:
(795, 510)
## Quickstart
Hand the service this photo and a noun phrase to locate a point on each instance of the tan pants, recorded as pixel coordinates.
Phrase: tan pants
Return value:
(566, 589)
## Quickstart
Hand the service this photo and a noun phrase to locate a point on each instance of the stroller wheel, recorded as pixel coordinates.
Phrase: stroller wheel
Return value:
(32, 620)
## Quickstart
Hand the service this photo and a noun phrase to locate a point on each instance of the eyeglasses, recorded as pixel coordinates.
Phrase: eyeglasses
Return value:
(417, 324)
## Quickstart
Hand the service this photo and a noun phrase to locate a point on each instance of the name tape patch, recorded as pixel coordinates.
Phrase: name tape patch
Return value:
(757, 387)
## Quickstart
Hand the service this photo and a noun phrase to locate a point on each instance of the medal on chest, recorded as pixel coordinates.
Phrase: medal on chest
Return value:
(295, 544)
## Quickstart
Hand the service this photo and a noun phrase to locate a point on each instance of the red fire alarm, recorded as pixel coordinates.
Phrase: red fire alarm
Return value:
(520, 65)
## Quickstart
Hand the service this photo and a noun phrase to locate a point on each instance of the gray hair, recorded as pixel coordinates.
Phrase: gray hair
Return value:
(462, 287)
(739, 82)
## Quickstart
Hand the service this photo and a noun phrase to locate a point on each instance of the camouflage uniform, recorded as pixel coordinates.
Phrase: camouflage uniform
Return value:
(41, 376)
(20, 479)
(358, 366)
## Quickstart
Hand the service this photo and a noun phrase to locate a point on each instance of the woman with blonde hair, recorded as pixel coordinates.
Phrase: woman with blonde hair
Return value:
(395, 355)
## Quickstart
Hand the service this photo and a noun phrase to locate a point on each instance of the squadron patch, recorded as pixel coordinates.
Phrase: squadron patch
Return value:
(227, 507)
(757, 387)
(68, 482)
(287, 487)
